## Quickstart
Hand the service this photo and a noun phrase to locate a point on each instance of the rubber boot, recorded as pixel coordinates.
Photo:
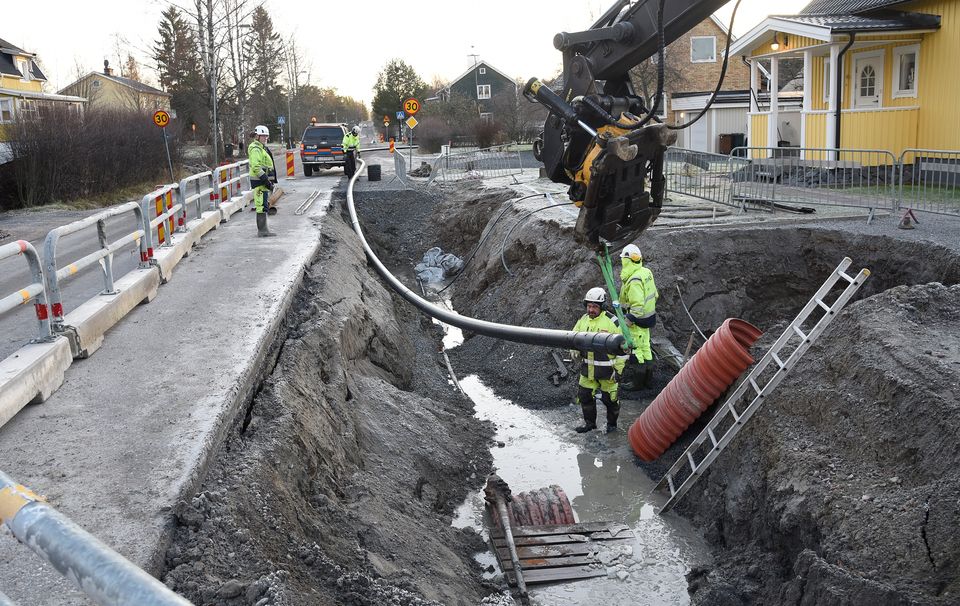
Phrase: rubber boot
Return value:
(647, 374)
(631, 376)
(589, 406)
(262, 230)
(613, 412)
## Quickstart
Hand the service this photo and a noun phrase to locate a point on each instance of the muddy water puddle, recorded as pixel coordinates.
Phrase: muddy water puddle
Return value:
(536, 448)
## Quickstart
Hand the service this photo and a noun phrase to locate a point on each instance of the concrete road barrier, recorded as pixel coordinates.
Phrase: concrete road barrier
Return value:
(86, 325)
(31, 374)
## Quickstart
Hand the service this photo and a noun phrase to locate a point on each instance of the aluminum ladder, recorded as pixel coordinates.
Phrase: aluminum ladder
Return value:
(728, 416)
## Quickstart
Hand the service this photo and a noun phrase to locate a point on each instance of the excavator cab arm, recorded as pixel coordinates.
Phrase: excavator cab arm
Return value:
(596, 137)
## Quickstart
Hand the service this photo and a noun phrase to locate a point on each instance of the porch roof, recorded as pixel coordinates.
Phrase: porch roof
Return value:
(824, 27)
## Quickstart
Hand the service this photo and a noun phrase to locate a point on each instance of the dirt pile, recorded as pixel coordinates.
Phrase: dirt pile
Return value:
(339, 484)
(843, 491)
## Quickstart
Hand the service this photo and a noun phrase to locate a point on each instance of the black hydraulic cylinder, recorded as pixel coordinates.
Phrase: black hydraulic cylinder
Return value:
(535, 90)
(600, 342)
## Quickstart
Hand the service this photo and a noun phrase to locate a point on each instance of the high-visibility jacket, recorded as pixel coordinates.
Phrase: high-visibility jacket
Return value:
(261, 162)
(351, 141)
(638, 295)
(599, 366)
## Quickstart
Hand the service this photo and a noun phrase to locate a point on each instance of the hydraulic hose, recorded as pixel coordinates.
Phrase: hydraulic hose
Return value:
(599, 342)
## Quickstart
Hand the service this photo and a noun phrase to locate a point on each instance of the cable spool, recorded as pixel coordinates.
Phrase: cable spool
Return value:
(709, 373)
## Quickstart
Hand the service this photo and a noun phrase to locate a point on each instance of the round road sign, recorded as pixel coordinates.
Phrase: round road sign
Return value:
(411, 106)
(161, 118)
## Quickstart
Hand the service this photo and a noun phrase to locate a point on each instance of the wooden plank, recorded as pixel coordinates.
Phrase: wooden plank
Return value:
(529, 531)
(552, 575)
(565, 538)
(556, 551)
(534, 563)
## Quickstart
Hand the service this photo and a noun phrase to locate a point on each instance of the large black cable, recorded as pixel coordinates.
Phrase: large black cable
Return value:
(723, 73)
(660, 73)
(508, 206)
(599, 342)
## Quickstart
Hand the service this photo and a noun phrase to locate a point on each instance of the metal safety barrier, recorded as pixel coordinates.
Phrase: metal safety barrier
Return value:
(160, 209)
(35, 291)
(232, 179)
(101, 573)
(699, 174)
(54, 276)
(930, 181)
(192, 191)
(498, 161)
(861, 178)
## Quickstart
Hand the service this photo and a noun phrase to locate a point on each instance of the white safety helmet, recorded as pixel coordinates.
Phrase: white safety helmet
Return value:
(261, 130)
(632, 252)
(355, 130)
(595, 295)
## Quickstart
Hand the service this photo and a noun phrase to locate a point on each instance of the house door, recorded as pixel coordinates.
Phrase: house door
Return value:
(868, 81)
(698, 135)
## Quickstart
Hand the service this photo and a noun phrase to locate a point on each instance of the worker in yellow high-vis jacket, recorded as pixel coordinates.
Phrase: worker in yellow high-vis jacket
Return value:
(599, 373)
(638, 298)
(261, 168)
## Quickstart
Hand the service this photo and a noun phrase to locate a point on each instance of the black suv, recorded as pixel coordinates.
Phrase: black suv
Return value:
(322, 147)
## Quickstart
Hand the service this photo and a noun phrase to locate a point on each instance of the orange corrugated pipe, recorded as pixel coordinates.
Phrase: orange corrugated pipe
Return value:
(713, 369)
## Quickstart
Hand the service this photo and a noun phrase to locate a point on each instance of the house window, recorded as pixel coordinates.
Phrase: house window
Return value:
(483, 71)
(486, 117)
(6, 110)
(703, 49)
(826, 80)
(96, 84)
(24, 67)
(28, 110)
(483, 91)
(905, 63)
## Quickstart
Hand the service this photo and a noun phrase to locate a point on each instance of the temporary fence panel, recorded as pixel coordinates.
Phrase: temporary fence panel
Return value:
(500, 161)
(35, 291)
(930, 181)
(159, 210)
(54, 276)
(699, 174)
(192, 191)
(861, 178)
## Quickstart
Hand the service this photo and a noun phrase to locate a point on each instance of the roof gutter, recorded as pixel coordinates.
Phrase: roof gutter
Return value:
(838, 70)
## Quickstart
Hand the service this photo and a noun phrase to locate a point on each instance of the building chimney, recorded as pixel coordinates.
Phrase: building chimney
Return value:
(106, 68)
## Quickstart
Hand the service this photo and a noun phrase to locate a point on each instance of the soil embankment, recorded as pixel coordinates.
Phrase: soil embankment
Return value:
(843, 490)
(339, 485)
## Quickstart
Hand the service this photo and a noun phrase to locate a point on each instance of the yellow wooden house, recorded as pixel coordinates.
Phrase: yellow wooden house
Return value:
(898, 85)
(21, 91)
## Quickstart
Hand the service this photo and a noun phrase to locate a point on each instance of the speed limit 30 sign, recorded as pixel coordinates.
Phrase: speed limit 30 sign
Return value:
(161, 118)
(411, 106)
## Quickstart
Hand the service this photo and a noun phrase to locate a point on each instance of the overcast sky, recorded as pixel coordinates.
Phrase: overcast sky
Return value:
(345, 43)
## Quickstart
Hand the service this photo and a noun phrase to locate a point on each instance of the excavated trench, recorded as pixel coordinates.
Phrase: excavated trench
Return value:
(843, 490)
(352, 477)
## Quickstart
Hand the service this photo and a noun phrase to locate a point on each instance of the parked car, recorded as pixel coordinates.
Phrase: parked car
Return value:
(322, 147)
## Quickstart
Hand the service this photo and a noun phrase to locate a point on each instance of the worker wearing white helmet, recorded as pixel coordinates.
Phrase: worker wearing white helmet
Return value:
(261, 169)
(638, 298)
(599, 373)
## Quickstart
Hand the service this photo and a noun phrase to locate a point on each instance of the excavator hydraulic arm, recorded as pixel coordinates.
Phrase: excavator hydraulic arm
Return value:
(596, 137)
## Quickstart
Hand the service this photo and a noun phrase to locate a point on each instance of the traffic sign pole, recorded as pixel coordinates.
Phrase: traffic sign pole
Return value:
(161, 119)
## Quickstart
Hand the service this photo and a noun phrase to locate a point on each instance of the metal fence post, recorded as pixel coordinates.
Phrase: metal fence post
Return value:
(106, 263)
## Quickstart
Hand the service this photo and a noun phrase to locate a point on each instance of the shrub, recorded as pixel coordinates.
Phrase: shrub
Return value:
(431, 133)
(486, 132)
(60, 157)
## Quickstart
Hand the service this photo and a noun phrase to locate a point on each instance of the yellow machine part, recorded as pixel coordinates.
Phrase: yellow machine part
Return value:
(609, 131)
